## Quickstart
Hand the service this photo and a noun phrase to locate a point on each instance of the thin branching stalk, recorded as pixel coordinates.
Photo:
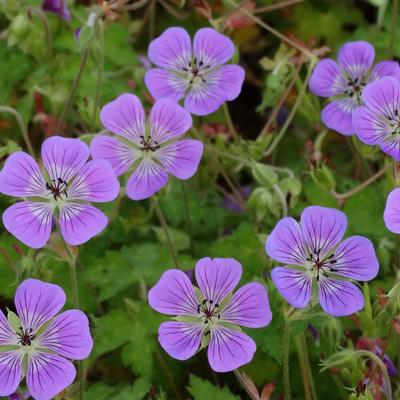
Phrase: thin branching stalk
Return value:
(285, 359)
(245, 386)
(303, 370)
(277, 6)
(282, 200)
(188, 217)
(229, 121)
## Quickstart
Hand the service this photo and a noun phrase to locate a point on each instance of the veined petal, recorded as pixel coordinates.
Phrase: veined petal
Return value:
(63, 158)
(95, 181)
(80, 222)
(163, 83)
(7, 334)
(147, 179)
(180, 340)
(30, 222)
(181, 158)
(174, 294)
(204, 99)
(48, 374)
(10, 372)
(37, 302)
(249, 306)
(327, 79)
(339, 298)
(68, 335)
(391, 215)
(383, 96)
(229, 349)
(125, 117)
(337, 115)
(119, 155)
(391, 146)
(369, 127)
(21, 177)
(385, 68)
(217, 277)
(295, 286)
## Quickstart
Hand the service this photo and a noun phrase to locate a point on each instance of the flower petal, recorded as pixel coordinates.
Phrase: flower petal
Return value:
(295, 286)
(385, 68)
(30, 222)
(383, 96)
(63, 157)
(172, 49)
(229, 349)
(80, 222)
(212, 48)
(147, 179)
(391, 215)
(7, 334)
(286, 244)
(249, 306)
(327, 79)
(95, 182)
(168, 120)
(119, 155)
(48, 374)
(68, 335)
(391, 146)
(323, 228)
(10, 372)
(356, 259)
(37, 302)
(180, 340)
(217, 277)
(21, 177)
(125, 117)
(203, 100)
(369, 128)
(337, 115)
(227, 80)
(339, 298)
(181, 158)
(173, 294)
(356, 58)
(163, 83)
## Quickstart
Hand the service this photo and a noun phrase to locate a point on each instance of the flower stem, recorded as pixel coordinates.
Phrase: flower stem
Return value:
(302, 353)
(188, 217)
(229, 121)
(164, 225)
(245, 386)
(282, 200)
(285, 359)
(393, 28)
(100, 73)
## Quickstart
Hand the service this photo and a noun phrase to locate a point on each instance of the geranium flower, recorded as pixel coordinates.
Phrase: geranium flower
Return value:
(197, 74)
(344, 82)
(378, 121)
(152, 152)
(314, 251)
(59, 7)
(38, 344)
(62, 191)
(210, 315)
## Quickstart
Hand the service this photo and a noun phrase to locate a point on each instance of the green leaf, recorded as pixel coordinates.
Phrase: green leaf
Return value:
(204, 390)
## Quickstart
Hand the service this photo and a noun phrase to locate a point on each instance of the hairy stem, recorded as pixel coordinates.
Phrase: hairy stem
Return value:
(301, 347)
(229, 121)
(285, 359)
(100, 73)
(244, 384)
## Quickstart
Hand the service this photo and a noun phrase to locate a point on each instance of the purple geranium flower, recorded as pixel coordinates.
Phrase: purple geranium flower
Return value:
(66, 185)
(38, 344)
(391, 215)
(197, 74)
(378, 122)
(210, 315)
(154, 152)
(343, 83)
(314, 249)
(59, 7)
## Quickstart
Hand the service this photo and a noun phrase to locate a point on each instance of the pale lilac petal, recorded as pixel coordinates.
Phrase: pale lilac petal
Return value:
(369, 127)
(68, 335)
(180, 340)
(21, 177)
(95, 181)
(48, 374)
(249, 306)
(355, 258)
(295, 286)
(125, 117)
(163, 83)
(172, 49)
(181, 158)
(286, 244)
(356, 58)
(323, 228)
(29, 222)
(383, 96)
(7, 334)
(229, 349)
(37, 302)
(391, 215)
(227, 80)
(147, 179)
(339, 298)
(63, 157)
(10, 372)
(211, 48)
(168, 120)
(217, 277)
(204, 99)
(391, 146)
(174, 294)
(80, 222)
(118, 154)
(337, 115)
(326, 79)
(386, 68)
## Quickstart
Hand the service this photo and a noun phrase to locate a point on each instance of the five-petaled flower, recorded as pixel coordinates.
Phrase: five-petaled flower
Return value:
(38, 344)
(152, 152)
(314, 249)
(196, 74)
(64, 189)
(344, 82)
(210, 315)
(59, 7)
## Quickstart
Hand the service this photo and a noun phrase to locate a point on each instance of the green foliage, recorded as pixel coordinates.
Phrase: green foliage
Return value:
(204, 390)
